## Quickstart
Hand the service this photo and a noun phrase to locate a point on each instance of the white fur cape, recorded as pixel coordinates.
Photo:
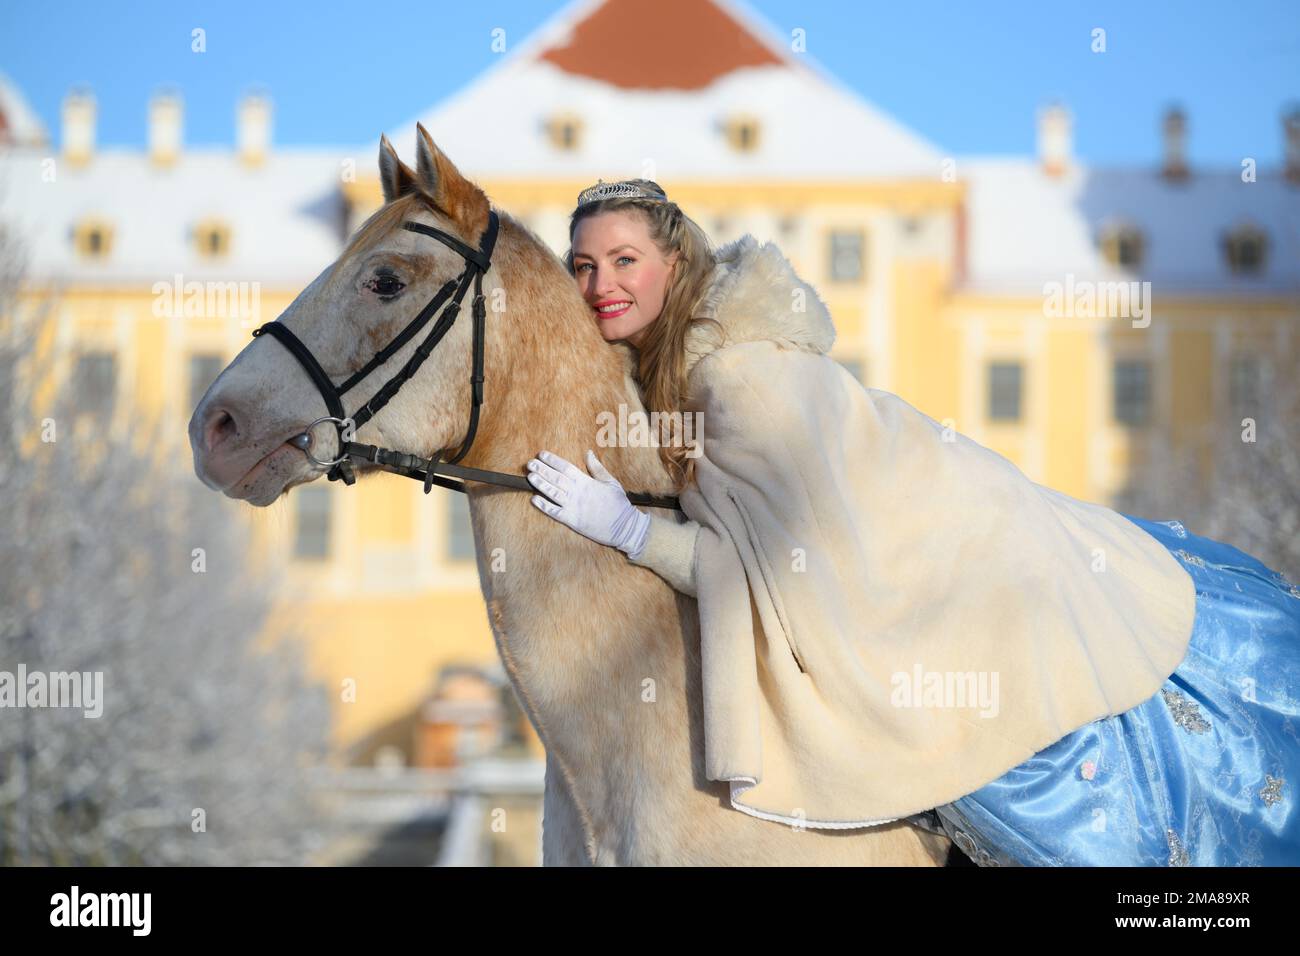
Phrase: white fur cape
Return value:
(891, 616)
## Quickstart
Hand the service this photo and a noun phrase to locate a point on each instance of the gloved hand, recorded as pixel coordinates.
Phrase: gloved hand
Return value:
(596, 507)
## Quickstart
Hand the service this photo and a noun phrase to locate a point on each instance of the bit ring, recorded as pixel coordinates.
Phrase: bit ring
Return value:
(341, 423)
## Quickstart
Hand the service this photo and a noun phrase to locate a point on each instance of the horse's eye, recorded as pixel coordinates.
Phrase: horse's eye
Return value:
(385, 286)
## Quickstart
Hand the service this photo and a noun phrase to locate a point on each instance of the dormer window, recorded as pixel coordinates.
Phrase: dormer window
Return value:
(93, 238)
(743, 133)
(1245, 249)
(565, 132)
(1123, 246)
(212, 238)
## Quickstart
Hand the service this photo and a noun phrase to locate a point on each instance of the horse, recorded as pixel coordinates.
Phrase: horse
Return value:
(580, 630)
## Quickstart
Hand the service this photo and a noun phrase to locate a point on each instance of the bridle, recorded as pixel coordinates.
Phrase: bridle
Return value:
(431, 471)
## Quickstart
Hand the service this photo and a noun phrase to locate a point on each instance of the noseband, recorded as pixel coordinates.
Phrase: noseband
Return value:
(431, 471)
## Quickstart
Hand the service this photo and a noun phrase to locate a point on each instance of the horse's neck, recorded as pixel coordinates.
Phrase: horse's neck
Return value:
(591, 642)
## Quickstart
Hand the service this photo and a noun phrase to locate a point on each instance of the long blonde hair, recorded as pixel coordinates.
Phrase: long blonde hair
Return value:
(661, 359)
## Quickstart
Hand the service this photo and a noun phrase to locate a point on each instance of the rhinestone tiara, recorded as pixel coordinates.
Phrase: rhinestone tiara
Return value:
(623, 190)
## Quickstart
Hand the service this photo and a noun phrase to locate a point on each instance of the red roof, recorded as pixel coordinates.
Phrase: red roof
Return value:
(664, 45)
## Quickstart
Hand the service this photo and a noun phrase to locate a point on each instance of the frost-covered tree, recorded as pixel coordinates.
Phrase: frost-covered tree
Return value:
(1243, 487)
(115, 559)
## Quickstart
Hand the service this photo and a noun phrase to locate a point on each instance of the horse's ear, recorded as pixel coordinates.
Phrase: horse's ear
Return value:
(430, 161)
(440, 178)
(395, 176)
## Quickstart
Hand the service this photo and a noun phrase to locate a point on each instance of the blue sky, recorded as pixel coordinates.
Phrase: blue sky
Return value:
(969, 77)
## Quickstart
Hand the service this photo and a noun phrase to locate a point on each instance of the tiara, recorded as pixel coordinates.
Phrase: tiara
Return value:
(623, 190)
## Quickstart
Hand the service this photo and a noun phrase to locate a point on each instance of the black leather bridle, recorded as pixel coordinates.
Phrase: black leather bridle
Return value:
(430, 471)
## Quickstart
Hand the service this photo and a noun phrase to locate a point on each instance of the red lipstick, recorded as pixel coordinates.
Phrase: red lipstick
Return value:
(613, 313)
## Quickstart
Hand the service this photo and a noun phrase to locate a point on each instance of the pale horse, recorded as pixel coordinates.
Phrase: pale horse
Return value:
(580, 630)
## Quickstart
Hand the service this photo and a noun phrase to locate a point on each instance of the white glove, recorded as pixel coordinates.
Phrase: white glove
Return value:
(596, 507)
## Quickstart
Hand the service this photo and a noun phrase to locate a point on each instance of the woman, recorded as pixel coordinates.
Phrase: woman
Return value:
(1142, 681)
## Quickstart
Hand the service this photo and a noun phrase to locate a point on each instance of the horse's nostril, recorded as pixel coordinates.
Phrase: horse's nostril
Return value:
(221, 425)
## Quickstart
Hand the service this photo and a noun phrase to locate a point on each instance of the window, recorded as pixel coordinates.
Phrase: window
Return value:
(846, 255)
(742, 133)
(1244, 392)
(1005, 385)
(93, 238)
(1128, 500)
(94, 383)
(1245, 248)
(212, 238)
(1132, 391)
(565, 132)
(204, 369)
(1123, 246)
(311, 540)
(857, 368)
(460, 537)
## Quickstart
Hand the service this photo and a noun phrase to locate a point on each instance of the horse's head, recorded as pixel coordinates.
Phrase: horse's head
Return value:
(240, 432)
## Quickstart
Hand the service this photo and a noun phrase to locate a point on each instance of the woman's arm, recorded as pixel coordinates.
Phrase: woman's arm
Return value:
(598, 508)
(669, 551)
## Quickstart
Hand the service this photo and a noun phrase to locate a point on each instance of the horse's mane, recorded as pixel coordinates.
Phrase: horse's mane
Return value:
(384, 219)
(529, 260)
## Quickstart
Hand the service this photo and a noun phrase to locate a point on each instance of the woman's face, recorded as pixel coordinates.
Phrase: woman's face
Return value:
(621, 273)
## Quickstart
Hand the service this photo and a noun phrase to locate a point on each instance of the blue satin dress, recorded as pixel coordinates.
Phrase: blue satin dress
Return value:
(1205, 773)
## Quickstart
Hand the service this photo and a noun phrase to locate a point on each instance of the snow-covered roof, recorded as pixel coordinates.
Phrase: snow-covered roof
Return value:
(285, 217)
(19, 124)
(1026, 228)
(665, 100)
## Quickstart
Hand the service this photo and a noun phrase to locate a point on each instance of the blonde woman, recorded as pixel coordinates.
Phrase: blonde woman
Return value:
(850, 556)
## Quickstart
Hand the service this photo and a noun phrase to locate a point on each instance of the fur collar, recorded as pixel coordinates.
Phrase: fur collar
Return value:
(752, 295)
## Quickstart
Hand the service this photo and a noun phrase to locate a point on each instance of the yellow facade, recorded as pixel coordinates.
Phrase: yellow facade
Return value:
(391, 604)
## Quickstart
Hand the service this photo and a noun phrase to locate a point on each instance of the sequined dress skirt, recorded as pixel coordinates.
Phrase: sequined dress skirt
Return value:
(1205, 773)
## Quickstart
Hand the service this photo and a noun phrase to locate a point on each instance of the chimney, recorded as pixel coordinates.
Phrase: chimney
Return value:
(1175, 145)
(253, 128)
(165, 128)
(1054, 145)
(1291, 144)
(78, 127)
